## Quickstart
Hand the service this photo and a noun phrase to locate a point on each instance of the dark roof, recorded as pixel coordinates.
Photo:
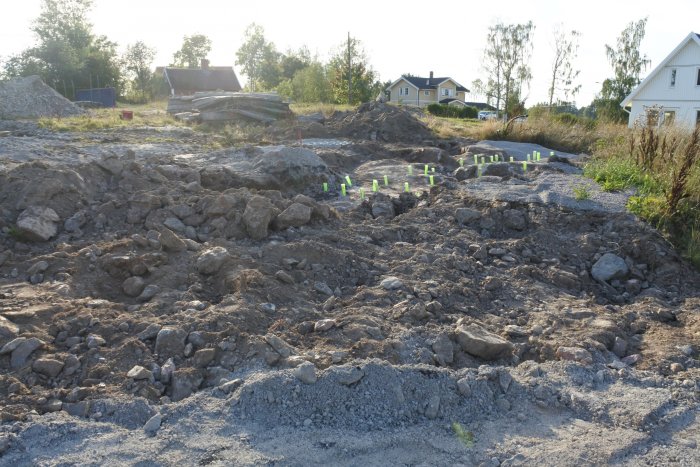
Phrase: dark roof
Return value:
(448, 100)
(430, 83)
(480, 105)
(217, 78)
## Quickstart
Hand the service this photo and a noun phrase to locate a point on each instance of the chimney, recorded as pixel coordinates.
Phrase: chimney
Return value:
(431, 75)
(204, 64)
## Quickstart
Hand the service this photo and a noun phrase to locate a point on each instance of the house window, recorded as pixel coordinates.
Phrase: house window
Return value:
(669, 117)
(403, 91)
(697, 80)
(426, 93)
(697, 118)
(446, 92)
(673, 78)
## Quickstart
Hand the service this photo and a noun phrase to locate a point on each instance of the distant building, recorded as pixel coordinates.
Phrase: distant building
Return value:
(187, 81)
(414, 90)
(671, 93)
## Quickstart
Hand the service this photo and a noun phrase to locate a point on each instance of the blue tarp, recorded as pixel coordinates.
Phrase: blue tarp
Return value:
(105, 96)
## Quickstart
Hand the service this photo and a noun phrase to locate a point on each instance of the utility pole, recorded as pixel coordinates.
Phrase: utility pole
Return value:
(349, 71)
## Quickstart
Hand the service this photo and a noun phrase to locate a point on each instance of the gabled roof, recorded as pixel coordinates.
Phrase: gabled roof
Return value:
(690, 37)
(427, 83)
(197, 79)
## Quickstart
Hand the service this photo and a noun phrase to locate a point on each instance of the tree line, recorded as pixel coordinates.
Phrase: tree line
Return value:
(69, 55)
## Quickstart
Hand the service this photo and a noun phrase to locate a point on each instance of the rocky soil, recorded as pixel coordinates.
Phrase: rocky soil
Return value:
(162, 302)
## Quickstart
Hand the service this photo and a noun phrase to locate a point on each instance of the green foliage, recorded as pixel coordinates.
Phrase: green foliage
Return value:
(563, 72)
(452, 111)
(309, 84)
(582, 192)
(628, 64)
(68, 56)
(466, 437)
(621, 173)
(259, 60)
(350, 60)
(194, 48)
(137, 66)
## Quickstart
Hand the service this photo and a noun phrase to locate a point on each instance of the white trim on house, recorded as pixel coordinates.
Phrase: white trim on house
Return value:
(402, 79)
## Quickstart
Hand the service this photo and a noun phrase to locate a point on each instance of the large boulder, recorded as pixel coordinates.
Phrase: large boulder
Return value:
(479, 342)
(257, 216)
(608, 267)
(291, 167)
(38, 223)
(295, 215)
(170, 342)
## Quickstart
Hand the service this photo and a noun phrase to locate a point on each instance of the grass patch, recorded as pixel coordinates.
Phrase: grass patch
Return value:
(152, 114)
(326, 109)
(582, 192)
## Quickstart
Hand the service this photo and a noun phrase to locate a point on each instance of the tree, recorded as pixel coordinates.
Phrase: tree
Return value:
(563, 72)
(137, 63)
(627, 63)
(310, 84)
(506, 61)
(292, 62)
(194, 49)
(350, 61)
(67, 56)
(259, 60)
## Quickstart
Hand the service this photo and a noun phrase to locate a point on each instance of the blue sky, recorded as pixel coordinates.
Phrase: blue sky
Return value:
(447, 37)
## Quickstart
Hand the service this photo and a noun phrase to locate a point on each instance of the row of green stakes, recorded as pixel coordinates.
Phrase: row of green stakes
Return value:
(375, 183)
(536, 157)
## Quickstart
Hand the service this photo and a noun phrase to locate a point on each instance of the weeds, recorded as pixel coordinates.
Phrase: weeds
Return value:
(466, 437)
(582, 192)
(104, 119)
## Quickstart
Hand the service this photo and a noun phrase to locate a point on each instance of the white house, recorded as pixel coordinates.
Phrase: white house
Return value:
(671, 92)
(414, 90)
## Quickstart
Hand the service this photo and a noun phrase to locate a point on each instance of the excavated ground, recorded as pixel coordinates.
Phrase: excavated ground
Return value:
(217, 307)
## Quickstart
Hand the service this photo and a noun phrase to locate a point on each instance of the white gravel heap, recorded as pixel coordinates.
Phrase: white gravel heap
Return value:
(30, 97)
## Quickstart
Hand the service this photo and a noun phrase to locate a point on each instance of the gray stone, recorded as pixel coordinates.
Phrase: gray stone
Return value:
(77, 409)
(148, 293)
(167, 370)
(391, 283)
(175, 224)
(153, 424)
(47, 366)
(257, 216)
(477, 341)
(133, 286)
(444, 350)
(138, 373)
(211, 260)
(284, 277)
(349, 376)
(230, 386)
(72, 364)
(432, 408)
(620, 347)
(150, 332)
(608, 267)
(170, 241)
(23, 350)
(279, 345)
(295, 215)
(465, 173)
(514, 219)
(324, 325)
(466, 215)
(203, 357)
(94, 341)
(306, 373)
(184, 383)
(38, 267)
(498, 169)
(323, 288)
(38, 223)
(382, 206)
(170, 342)
(75, 222)
(8, 329)
(464, 387)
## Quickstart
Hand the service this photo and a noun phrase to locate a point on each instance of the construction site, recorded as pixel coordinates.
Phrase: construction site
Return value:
(343, 289)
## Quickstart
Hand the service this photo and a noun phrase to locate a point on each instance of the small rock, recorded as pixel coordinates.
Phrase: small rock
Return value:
(170, 241)
(466, 215)
(153, 424)
(150, 332)
(284, 277)
(8, 329)
(211, 260)
(279, 345)
(497, 251)
(38, 268)
(306, 373)
(138, 373)
(259, 211)
(609, 266)
(382, 206)
(632, 359)
(350, 376)
(54, 405)
(38, 223)
(184, 383)
(503, 404)
(514, 219)
(4, 443)
(323, 288)
(444, 350)
(230, 386)
(47, 366)
(676, 367)
(133, 286)
(432, 408)
(22, 351)
(167, 370)
(295, 215)
(175, 224)
(268, 307)
(148, 293)
(203, 357)
(94, 341)
(619, 347)
(170, 342)
(391, 283)
(479, 342)
(464, 387)
(575, 354)
(324, 325)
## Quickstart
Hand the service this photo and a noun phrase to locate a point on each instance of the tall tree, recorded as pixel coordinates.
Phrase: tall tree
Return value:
(259, 59)
(349, 65)
(310, 84)
(68, 55)
(137, 63)
(194, 48)
(506, 61)
(628, 63)
(563, 72)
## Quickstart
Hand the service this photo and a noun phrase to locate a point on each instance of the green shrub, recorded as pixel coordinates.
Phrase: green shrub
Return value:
(452, 111)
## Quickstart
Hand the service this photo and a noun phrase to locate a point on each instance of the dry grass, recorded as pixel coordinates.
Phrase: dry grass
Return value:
(326, 109)
(152, 114)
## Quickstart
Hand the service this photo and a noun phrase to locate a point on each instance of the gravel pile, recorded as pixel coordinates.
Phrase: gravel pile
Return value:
(30, 97)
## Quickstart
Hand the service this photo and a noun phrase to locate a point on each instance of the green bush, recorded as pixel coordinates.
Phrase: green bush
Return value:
(452, 111)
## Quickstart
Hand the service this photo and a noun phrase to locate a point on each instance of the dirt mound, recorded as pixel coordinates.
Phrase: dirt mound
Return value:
(30, 97)
(377, 121)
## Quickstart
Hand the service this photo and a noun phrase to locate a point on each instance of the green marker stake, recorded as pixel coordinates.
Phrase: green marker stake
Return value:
(405, 187)
(386, 180)
(461, 162)
(325, 187)
(476, 159)
(528, 157)
(483, 160)
(551, 153)
(425, 169)
(410, 170)
(342, 189)
(375, 185)
(362, 193)
(491, 159)
(524, 166)
(432, 181)
(511, 158)
(478, 170)
(496, 157)
(347, 179)
(432, 169)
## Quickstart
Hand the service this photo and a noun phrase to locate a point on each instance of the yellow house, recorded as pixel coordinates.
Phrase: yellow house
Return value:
(414, 90)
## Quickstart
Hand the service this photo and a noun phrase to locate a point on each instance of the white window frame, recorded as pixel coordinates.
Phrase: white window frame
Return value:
(669, 117)
(403, 91)
(673, 77)
(426, 93)
(446, 92)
